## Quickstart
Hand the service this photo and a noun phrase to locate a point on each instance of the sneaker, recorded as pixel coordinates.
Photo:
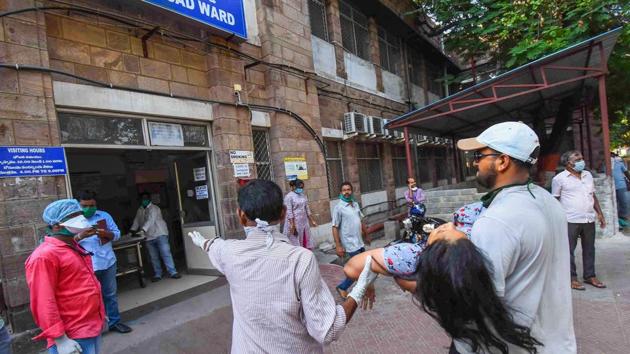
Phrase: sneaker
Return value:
(176, 276)
(120, 328)
(155, 279)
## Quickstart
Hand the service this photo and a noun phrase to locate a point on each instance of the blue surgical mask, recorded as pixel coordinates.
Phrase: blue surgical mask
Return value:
(299, 190)
(579, 165)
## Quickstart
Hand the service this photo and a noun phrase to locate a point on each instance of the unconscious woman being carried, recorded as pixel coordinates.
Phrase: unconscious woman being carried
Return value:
(451, 280)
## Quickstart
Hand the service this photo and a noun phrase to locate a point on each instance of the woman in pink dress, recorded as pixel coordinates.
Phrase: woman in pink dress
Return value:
(296, 224)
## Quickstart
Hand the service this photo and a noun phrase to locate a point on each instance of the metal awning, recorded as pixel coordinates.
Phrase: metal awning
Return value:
(520, 94)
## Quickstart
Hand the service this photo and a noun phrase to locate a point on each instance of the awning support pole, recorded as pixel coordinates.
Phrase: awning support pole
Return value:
(603, 106)
(408, 154)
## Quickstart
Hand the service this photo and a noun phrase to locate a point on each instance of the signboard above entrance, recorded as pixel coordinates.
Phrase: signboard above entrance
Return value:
(32, 161)
(225, 15)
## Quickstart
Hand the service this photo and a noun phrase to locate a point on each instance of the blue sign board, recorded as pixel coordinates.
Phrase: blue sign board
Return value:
(226, 15)
(32, 161)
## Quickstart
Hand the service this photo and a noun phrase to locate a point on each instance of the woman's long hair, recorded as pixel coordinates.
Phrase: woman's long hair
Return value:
(456, 289)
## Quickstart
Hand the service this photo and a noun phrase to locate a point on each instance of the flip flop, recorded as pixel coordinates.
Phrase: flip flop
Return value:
(576, 285)
(595, 282)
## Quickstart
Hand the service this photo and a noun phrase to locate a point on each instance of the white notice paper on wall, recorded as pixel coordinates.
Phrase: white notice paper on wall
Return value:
(241, 170)
(200, 174)
(166, 134)
(201, 192)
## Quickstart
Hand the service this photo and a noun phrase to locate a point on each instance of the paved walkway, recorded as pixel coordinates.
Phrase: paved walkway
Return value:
(202, 324)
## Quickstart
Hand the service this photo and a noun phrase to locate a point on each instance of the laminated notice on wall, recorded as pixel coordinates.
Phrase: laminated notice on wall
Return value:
(166, 134)
(295, 167)
(201, 192)
(241, 170)
(199, 174)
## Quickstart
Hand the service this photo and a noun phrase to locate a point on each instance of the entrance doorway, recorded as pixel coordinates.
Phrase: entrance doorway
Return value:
(178, 181)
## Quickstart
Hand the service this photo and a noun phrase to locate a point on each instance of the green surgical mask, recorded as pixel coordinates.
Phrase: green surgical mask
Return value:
(62, 232)
(350, 199)
(89, 211)
(145, 203)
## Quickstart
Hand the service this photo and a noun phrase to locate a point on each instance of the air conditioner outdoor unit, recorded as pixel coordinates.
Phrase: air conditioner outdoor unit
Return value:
(354, 122)
(376, 126)
(387, 134)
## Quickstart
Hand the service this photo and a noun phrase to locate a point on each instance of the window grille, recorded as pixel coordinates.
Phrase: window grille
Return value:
(389, 47)
(317, 14)
(434, 75)
(335, 168)
(370, 168)
(399, 162)
(354, 31)
(261, 154)
(415, 66)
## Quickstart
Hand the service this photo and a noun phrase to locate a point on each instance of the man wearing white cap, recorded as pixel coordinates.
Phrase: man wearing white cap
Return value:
(523, 234)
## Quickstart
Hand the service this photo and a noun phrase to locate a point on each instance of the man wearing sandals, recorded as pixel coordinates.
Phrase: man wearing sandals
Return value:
(575, 190)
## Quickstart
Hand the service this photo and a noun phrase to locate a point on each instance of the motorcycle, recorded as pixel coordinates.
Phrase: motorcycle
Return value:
(417, 227)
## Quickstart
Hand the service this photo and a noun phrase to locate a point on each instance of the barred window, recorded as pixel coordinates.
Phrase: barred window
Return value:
(399, 163)
(425, 156)
(334, 162)
(415, 67)
(370, 169)
(317, 14)
(261, 154)
(354, 31)
(443, 163)
(434, 75)
(389, 47)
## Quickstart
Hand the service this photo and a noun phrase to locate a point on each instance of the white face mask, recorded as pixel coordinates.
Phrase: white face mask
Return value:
(77, 224)
(265, 227)
(414, 188)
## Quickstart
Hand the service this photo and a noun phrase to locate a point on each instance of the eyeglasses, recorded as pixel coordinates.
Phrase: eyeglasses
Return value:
(477, 156)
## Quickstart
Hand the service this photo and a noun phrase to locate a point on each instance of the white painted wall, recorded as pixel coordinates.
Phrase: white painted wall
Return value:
(323, 57)
(400, 192)
(360, 72)
(373, 198)
(252, 22)
(417, 95)
(332, 133)
(261, 119)
(107, 99)
(433, 97)
(394, 85)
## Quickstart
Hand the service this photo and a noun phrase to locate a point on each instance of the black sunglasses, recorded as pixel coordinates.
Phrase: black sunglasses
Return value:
(477, 156)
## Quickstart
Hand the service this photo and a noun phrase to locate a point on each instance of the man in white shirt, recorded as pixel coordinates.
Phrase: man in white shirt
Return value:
(281, 304)
(149, 220)
(522, 233)
(575, 190)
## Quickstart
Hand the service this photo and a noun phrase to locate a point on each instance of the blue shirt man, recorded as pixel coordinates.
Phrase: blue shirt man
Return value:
(620, 173)
(103, 257)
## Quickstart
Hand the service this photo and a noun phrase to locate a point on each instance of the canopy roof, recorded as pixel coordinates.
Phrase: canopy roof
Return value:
(521, 94)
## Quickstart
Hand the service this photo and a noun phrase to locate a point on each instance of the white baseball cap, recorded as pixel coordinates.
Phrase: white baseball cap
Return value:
(514, 139)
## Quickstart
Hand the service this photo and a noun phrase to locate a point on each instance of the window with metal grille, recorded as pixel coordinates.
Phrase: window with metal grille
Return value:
(317, 14)
(354, 31)
(415, 66)
(399, 163)
(370, 168)
(261, 154)
(425, 163)
(389, 47)
(335, 167)
(434, 75)
(443, 163)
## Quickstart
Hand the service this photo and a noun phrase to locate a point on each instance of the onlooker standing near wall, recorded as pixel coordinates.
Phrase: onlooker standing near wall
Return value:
(620, 174)
(575, 189)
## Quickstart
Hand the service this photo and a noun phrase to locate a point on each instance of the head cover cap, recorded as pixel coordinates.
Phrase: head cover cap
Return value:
(59, 210)
(514, 139)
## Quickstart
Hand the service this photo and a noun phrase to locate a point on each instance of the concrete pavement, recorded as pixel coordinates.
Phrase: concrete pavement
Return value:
(203, 324)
